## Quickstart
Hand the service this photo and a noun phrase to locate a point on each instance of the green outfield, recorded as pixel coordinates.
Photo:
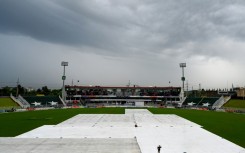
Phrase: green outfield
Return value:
(228, 125)
(235, 103)
(7, 102)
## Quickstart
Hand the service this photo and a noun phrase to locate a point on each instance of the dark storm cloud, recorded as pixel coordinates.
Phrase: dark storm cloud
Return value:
(138, 40)
(127, 27)
(197, 22)
(48, 21)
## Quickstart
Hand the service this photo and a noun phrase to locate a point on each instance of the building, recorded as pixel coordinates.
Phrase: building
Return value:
(112, 95)
(241, 93)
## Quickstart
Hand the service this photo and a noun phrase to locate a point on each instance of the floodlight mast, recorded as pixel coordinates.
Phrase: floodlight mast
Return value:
(183, 65)
(63, 78)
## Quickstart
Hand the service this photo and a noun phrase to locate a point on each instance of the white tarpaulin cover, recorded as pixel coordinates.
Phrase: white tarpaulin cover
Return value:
(138, 127)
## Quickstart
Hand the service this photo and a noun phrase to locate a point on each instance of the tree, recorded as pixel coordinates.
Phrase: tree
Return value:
(45, 90)
(39, 91)
(56, 92)
(6, 91)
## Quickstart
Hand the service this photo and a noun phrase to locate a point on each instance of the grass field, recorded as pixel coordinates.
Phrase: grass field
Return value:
(235, 103)
(7, 102)
(228, 125)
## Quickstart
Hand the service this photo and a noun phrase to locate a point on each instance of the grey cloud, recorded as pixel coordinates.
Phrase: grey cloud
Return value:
(45, 22)
(37, 20)
(126, 27)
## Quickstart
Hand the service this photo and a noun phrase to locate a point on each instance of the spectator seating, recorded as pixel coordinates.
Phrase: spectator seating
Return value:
(200, 102)
(195, 101)
(210, 101)
(44, 100)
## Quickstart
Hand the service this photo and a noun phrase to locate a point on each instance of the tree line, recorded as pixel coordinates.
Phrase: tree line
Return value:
(19, 90)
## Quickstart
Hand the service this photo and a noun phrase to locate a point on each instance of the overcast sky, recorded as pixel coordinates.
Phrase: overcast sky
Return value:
(109, 42)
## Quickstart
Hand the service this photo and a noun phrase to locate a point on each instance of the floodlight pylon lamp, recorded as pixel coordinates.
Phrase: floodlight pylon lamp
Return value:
(182, 64)
(64, 63)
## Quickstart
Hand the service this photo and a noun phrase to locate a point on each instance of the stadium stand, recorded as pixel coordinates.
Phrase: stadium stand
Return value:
(120, 95)
(220, 102)
(193, 100)
(23, 101)
(210, 101)
(200, 102)
(43, 100)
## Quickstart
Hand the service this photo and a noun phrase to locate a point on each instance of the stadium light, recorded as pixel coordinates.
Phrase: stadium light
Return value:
(64, 78)
(183, 65)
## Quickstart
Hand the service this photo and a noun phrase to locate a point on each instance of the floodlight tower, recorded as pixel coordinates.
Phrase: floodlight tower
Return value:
(63, 78)
(183, 65)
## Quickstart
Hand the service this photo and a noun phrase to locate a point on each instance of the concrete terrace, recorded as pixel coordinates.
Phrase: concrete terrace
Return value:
(107, 133)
